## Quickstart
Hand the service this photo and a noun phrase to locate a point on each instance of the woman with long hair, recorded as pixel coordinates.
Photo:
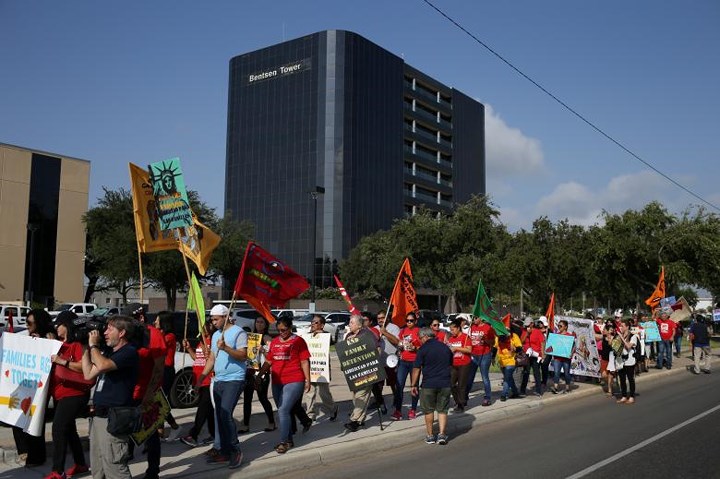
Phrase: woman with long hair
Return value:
(164, 323)
(261, 327)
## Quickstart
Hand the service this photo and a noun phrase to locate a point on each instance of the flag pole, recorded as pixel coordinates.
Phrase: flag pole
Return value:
(141, 271)
(187, 272)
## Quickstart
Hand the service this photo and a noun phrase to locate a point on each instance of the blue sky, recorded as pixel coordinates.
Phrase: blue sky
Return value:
(114, 82)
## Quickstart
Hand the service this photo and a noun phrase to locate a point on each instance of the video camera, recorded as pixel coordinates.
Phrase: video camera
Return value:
(82, 332)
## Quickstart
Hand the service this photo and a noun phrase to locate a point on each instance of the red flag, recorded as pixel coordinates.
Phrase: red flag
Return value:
(654, 300)
(267, 280)
(10, 325)
(403, 298)
(506, 320)
(346, 296)
(259, 306)
(550, 313)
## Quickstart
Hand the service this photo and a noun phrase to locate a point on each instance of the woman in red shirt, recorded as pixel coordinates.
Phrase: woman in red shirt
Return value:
(533, 341)
(440, 335)
(164, 323)
(408, 344)
(288, 359)
(459, 344)
(70, 399)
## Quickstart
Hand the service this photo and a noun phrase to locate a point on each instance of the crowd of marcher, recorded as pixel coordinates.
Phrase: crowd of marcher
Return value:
(132, 360)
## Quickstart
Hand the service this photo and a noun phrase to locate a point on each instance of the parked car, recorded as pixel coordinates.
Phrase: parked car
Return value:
(83, 310)
(19, 314)
(290, 313)
(105, 312)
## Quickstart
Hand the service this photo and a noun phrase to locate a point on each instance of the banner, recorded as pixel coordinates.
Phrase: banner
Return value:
(654, 300)
(585, 360)
(560, 345)
(319, 346)
(716, 315)
(681, 310)
(24, 369)
(173, 207)
(198, 243)
(153, 417)
(669, 301)
(150, 237)
(652, 334)
(255, 352)
(403, 297)
(360, 361)
(484, 310)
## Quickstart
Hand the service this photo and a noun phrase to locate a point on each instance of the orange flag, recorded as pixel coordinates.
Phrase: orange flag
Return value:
(403, 298)
(550, 314)
(654, 300)
(506, 321)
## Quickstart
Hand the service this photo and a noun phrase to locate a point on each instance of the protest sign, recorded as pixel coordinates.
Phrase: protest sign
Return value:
(652, 334)
(681, 310)
(669, 301)
(360, 361)
(153, 417)
(255, 352)
(24, 369)
(171, 200)
(319, 347)
(559, 345)
(716, 315)
(585, 361)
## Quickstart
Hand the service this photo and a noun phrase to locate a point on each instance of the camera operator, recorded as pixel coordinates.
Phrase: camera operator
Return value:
(117, 373)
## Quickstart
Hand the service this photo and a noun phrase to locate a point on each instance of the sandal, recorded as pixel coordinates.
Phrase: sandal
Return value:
(283, 447)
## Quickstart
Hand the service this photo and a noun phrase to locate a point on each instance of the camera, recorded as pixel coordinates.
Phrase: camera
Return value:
(82, 332)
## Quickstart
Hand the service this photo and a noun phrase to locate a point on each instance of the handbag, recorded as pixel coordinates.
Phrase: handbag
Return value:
(73, 379)
(123, 421)
(521, 359)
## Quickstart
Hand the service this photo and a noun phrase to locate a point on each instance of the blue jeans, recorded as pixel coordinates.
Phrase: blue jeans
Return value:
(286, 395)
(483, 362)
(535, 366)
(678, 344)
(509, 381)
(227, 394)
(664, 353)
(561, 366)
(404, 369)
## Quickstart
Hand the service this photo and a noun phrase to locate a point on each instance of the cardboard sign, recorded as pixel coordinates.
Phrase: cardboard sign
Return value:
(24, 370)
(669, 301)
(171, 200)
(153, 417)
(652, 334)
(716, 315)
(360, 361)
(681, 310)
(255, 352)
(559, 345)
(319, 347)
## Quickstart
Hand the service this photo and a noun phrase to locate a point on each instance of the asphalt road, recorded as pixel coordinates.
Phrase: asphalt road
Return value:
(671, 432)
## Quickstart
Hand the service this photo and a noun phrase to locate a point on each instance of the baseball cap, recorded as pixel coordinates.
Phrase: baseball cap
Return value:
(543, 320)
(219, 310)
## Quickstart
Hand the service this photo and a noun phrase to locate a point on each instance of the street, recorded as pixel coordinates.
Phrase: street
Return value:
(586, 437)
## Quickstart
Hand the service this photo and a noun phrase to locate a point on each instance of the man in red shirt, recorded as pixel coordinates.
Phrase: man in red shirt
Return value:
(666, 326)
(482, 338)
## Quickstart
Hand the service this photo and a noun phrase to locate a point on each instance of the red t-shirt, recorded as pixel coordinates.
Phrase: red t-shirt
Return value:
(666, 328)
(171, 344)
(199, 363)
(156, 349)
(285, 357)
(534, 341)
(73, 353)
(482, 338)
(441, 336)
(460, 341)
(410, 339)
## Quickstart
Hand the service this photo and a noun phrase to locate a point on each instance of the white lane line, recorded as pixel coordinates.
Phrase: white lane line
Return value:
(640, 445)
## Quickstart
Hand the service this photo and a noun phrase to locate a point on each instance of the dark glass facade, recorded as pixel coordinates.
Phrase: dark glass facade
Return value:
(334, 110)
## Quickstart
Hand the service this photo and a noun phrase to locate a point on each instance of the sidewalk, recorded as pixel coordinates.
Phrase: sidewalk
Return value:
(326, 442)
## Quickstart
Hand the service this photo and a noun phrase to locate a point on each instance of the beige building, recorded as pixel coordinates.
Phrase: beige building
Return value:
(43, 197)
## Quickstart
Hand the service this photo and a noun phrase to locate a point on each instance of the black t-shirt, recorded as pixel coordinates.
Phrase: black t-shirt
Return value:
(605, 351)
(115, 388)
(435, 359)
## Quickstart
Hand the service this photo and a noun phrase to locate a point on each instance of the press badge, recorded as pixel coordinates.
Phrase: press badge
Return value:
(100, 383)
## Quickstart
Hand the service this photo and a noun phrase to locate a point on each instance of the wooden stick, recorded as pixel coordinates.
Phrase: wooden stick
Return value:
(187, 272)
(141, 271)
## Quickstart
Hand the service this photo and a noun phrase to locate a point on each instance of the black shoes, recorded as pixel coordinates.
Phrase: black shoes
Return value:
(352, 426)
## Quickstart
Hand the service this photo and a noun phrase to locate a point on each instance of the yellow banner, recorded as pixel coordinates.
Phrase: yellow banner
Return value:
(147, 227)
(198, 244)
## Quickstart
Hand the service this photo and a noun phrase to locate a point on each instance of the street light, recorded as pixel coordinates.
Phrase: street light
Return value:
(32, 228)
(319, 190)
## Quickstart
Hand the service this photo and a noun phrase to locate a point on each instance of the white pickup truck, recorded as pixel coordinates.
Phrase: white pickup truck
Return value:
(83, 310)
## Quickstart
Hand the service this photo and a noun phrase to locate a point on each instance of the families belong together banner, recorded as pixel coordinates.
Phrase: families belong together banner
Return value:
(24, 370)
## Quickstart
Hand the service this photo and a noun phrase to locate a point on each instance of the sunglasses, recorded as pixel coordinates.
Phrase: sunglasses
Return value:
(282, 330)
(435, 325)
(409, 320)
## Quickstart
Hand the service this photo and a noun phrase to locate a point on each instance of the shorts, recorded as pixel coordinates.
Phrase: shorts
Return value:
(603, 365)
(435, 399)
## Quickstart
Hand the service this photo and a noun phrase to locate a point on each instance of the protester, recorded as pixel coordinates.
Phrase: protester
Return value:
(261, 327)
(460, 346)
(625, 364)
(389, 334)
(640, 332)
(408, 344)
(205, 411)
(678, 339)
(164, 323)
(434, 361)
(482, 338)
(320, 398)
(370, 323)
(561, 364)
(666, 326)
(611, 344)
(441, 335)
(604, 353)
(507, 346)
(547, 359)
(227, 358)
(70, 399)
(117, 375)
(31, 448)
(361, 397)
(700, 337)
(288, 360)
(533, 341)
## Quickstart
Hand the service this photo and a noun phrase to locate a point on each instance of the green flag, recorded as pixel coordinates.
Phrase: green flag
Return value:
(196, 302)
(483, 309)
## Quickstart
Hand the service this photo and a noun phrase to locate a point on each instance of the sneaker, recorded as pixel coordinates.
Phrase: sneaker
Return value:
(76, 470)
(397, 416)
(412, 414)
(503, 398)
(212, 452)
(235, 460)
(207, 441)
(383, 409)
(189, 441)
(217, 459)
(430, 439)
(486, 402)
(61, 475)
(352, 426)
(706, 371)
(459, 409)
(442, 439)
(554, 390)
(333, 417)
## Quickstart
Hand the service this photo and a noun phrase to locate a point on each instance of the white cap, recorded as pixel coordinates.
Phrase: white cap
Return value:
(219, 310)
(528, 321)
(543, 320)
(618, 313)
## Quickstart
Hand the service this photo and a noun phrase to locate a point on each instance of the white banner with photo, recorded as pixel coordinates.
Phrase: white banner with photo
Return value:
(24, 370)
(319, 347)
(585, 361)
